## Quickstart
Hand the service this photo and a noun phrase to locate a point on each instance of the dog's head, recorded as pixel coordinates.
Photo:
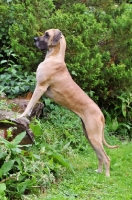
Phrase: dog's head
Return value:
(49, 39)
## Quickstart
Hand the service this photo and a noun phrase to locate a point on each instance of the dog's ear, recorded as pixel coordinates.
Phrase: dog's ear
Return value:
(56, 38)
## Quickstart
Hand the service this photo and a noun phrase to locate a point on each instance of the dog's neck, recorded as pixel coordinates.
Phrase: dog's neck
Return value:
(57, 51)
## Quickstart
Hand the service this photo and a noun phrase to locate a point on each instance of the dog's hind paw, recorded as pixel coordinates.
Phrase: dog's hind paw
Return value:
(98, 171)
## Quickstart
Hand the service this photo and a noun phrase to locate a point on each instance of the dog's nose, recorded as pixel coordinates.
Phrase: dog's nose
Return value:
(35, 39)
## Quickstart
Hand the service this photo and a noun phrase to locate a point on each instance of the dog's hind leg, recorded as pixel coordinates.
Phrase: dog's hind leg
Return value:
(84, 129)
(96, 143)
(102, 159)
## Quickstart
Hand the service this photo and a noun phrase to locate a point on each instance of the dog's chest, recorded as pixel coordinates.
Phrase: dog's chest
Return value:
(43, 73)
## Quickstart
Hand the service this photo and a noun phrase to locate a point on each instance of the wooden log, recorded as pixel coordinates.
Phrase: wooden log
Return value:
(10, 119)
(19, 105)
(17, 126)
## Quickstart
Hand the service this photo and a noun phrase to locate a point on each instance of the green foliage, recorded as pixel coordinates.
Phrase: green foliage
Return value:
(58, 138)
(98, 52)
(16, 82)
(92, 45)
(20, 22)
(24, 169)
(89, 60)
(13, 80)
(68, 126)
(2, 191)
(87, 185)
(5, 106)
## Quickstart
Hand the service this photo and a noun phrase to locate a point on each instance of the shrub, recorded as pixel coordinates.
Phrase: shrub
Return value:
(28, 169)
(20, 22)
(95, 35)
(15, 82)
(99, 43)
(92, 44)
(97, 56)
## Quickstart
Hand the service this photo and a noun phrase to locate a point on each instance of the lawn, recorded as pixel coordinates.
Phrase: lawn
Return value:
(46, 171)
(87, 185)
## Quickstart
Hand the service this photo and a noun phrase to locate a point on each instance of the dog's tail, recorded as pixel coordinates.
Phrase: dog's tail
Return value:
(103, 138)
(107, 145)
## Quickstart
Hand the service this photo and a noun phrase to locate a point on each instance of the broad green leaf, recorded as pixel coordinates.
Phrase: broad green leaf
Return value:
(2, 154)
(60, 159)
(16, 89)
(18, 138)
(23, 185)
(7, 143)
(124, 109)
(6, 121)
(7, 166)
(9, 1)
(2, 188)
(3, 61)
(36, 128)
(115, 125)
(47, 102)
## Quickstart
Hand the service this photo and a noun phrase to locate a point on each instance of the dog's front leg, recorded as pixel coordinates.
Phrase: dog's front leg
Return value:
(38, 92)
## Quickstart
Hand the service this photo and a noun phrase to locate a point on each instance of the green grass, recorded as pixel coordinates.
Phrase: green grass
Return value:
(88, 185)
(63, 131)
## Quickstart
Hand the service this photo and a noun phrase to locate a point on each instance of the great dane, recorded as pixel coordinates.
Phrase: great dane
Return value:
(54, 80)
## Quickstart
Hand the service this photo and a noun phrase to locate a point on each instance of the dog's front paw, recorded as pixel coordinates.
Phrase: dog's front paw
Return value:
(23, 120)
(24, 115)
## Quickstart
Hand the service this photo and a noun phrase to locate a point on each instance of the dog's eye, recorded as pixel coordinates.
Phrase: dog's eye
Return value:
(47, 34)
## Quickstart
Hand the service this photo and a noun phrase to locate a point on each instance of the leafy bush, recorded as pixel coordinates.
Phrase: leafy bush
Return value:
(99, 45)
(67, 126)
(90, 61)
(24, 170)
(27, 170)
(95, 35)
(16, 35)
(20, 22)
(97, 56)
(15, 82)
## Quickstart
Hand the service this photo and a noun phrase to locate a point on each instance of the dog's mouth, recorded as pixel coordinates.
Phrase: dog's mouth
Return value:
(44, 51)
(42, 45)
